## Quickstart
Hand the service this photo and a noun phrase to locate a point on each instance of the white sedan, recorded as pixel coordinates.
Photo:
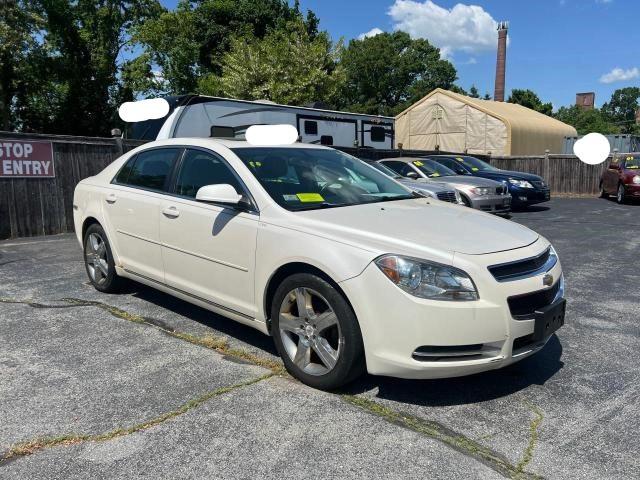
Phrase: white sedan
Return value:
(347, 269)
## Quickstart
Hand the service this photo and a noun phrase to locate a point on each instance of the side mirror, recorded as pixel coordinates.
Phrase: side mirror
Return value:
(220, 193)
(413, 175)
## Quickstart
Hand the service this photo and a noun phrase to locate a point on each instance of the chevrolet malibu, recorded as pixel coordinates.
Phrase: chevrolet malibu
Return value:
(346, 276)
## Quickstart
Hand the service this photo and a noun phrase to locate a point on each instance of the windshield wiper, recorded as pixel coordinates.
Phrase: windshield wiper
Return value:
(318, 206)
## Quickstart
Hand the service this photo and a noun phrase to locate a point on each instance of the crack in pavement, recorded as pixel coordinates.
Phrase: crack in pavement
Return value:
(534, 427)
(428, 428)
(23, 449)
(455, 440)
(209, 341)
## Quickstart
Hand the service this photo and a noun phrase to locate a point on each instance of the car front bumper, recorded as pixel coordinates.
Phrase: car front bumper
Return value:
(528, 196)
(632, 190)
(468, 337)
(491, 203)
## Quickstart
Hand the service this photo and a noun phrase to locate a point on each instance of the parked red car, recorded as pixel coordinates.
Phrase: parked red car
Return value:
(622, 178)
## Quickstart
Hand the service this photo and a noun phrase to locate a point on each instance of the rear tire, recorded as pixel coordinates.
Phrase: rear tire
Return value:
(98, 261)
(603, 192)
(620, 195)
(316, 332)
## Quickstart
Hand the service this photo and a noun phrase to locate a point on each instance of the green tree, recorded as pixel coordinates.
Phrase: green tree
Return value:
(19, 51)
(621, 109)
(586, 121)
(473, 92)
(290, 65)
(529, 99)
(188, 44)
(388, 72)
(486, 96)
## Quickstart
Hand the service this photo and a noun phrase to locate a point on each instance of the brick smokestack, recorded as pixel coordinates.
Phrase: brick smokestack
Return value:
(501, 61)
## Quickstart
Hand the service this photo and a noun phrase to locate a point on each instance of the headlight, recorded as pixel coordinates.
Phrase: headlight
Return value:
(482, 190)
(427, 279)
(636, 179)
(520, 183)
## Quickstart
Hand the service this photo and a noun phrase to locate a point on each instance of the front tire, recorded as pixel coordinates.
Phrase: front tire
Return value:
(620, 195)
(98, 260)
(316, 332)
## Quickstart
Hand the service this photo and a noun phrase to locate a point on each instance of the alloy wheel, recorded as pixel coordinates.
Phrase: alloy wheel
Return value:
(96, 257)
(310, 332)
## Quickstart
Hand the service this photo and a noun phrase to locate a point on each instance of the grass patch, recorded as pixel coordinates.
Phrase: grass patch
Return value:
(443, 434)
(32, 446)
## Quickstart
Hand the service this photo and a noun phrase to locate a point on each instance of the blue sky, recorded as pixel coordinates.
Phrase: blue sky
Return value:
(556, 47)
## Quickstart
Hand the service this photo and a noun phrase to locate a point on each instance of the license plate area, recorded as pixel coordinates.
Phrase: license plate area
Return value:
(549, 319)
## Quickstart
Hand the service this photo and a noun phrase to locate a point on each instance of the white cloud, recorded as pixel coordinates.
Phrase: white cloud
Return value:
(471, 61)
(620, 75)
(371, 33)
(604, 1)
(466, 28)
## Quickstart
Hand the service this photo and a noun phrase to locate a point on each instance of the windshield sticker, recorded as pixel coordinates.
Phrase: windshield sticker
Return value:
(309, 197)
(418, 163)
(630, 157)
(475, 169)
(435, 174)
(460, 159)
(290, 198)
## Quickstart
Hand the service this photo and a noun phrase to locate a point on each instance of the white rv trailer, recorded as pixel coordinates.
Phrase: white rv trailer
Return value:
(202, 116)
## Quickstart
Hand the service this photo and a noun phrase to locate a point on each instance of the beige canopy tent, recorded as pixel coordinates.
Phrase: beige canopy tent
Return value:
(455, 123)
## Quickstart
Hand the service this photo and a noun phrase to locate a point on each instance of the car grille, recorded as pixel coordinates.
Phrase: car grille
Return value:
(539, 185)
(447, 196)
(512, 270)
(523, 307)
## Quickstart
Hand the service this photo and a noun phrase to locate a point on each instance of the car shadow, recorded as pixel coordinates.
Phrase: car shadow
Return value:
(534, 370)
(203, 316)
(530, 209)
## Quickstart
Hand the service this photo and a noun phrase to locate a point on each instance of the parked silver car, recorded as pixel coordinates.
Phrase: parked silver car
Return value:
(479, 193)
(441, 191)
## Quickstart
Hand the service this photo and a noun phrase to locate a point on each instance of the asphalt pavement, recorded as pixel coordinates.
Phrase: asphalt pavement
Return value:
(144, 385)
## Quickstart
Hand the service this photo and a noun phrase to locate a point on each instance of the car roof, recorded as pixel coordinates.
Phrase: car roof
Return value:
(402, 159)
(229, 143)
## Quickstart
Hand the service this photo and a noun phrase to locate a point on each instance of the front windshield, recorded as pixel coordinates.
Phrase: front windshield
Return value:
(312, 178)
(433, 169)
(632, 163)
(474, 164)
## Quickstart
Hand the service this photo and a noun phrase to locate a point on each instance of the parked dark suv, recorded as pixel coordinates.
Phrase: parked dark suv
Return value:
(622, 178)
(525, 188)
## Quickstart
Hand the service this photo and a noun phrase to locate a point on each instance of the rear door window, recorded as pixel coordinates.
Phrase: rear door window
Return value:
(149, 169)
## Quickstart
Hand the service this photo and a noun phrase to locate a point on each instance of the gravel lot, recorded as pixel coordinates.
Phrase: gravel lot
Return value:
(145, 385)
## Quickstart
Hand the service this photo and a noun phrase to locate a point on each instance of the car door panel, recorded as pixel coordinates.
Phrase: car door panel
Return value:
(131, 206)
(208, 250)
(133, 216)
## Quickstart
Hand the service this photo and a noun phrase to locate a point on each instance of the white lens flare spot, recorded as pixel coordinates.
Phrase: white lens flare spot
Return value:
(592, 149)
(271, 134)
(142, 110)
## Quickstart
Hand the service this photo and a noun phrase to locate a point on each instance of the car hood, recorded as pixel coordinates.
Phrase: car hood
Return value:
(467, 180)
(417, 226)
(504, 174)
(433, 187)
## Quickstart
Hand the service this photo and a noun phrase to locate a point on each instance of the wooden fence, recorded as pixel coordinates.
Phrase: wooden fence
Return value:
(44, 206)
(32, 206)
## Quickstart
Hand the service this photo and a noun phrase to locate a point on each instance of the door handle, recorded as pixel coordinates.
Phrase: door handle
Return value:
(171, 212)
(111, 198)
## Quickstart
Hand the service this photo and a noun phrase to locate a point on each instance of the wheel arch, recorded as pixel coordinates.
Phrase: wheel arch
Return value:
(291, 268)
(87, 223)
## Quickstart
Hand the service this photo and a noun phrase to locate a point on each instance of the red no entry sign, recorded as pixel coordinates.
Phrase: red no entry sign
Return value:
(26, 159)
